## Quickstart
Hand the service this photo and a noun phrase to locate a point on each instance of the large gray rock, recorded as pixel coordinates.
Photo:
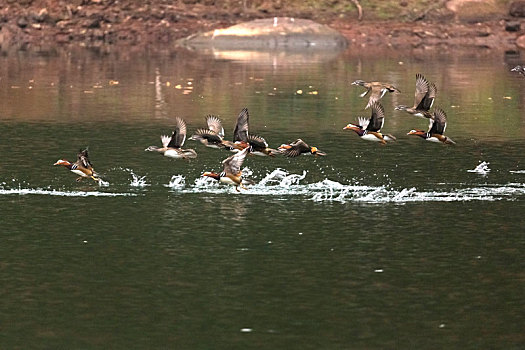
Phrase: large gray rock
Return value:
(270, 33)
(473, 11)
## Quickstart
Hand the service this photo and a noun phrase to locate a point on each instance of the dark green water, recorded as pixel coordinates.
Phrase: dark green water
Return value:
(373, 247)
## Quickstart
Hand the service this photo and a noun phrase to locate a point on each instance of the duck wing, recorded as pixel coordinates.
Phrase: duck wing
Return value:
(179, 134)
(257, 143)
(438, 122)
(232, 164)
(83, 159)
(215, 125)
(428, 100)
(376, 92)
(391, 88)
(241, 127)
(377, 119)
(296, 148)
(206, 134)
(422, 87)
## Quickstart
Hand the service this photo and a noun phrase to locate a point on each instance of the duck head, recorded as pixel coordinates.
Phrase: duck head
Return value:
(416, 132)
(358, 130)
(317, 152)
(351, 126)
(212, 175)
(359, 82)
(153, 148)
(401, 108)
(62, 162)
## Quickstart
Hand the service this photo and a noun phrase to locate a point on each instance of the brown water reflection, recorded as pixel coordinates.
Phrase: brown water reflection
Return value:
(478, 92)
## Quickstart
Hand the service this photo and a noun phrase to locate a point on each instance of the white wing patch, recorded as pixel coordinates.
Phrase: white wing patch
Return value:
(363, 122)
(165, 139)
(430, 123)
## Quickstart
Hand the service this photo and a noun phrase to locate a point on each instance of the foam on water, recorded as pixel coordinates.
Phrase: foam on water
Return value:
(40, 191)
(136, 180)
(281, 184)
(482, 169)
(176, 181)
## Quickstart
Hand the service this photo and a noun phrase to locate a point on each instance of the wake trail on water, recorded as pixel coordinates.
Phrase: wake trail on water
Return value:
(281, 184)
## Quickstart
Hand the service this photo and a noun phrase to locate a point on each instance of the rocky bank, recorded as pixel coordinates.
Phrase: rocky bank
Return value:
(44, 24)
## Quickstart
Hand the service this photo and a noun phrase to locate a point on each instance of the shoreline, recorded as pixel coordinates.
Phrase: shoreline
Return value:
(104, 26)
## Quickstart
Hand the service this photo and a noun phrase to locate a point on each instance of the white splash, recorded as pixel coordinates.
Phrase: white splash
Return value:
(280, 177)
(383, 194)
(281, 185)
(25, 191)
(103, 183)
(138, 181)
(517, 171)
(482, 169)
(177, 181)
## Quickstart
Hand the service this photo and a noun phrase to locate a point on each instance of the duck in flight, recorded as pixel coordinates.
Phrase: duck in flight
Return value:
(436, 129)
(231, 173)
(519, 69)
(370, 129)
(242, 139)
(212, 136)
(172, 146)
(82, 167)
(376, 89)
(423, 98)
(299, 147)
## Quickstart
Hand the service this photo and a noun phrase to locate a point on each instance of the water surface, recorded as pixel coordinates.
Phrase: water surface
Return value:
(408, 245)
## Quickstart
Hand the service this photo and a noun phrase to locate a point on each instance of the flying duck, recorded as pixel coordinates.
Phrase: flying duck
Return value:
(240, 133)
(519, 69)
(376, 89)
(242, 139)
(299, 147)
(423, 98)
(82, 167)
(231, 173)
(212, 136)
(370, 129)
(436, 129)
(259, 147)
(172, 146)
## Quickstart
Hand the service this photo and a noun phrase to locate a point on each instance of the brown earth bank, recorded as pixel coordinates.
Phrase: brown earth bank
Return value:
(46, 24)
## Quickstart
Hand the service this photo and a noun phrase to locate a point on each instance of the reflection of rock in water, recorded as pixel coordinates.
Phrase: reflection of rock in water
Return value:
(272, 57)
(269, 40)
